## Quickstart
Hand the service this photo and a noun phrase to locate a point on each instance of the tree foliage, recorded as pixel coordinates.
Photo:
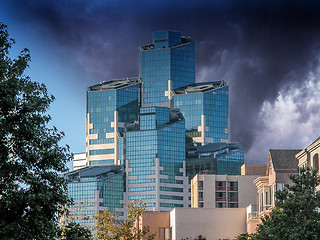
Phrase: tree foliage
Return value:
(31, 160)
(297, 211)
(111, 227)
(74, 231)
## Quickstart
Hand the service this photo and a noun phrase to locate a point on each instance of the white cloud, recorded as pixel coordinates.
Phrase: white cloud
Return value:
(289, 122)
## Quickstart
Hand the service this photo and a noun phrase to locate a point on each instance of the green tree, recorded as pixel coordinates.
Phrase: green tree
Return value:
(297, 211)
(74, 231)
(32, 192)
(111, 227)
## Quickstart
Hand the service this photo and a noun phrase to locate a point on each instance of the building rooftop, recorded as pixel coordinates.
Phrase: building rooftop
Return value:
(213, 147)
(200, 87)
(115, 84)
(93, 171)
(284, 159)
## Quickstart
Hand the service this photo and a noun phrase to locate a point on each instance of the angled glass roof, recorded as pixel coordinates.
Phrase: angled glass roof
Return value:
(94, 171)
(213, 147)
(200, 87)
(115, 84)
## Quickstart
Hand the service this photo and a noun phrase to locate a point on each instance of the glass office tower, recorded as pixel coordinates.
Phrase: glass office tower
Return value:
(95, 189)
(155, 157)
(205, 107)
(148, 125)
(109, 106)
(165, 64)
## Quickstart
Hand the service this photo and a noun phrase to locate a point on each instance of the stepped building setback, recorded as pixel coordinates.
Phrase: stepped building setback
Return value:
(149, 125)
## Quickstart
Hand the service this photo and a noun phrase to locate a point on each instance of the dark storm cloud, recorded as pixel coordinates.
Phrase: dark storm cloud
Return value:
(259, 47)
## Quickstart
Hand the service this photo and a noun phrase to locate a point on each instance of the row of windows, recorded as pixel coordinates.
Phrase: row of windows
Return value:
(170, 205)
(163, 180)
(142, 197)
(101, 151)
(142, 189)
(224, 205)
(171, 189)
(148, 180)
(101, 141)
(101, 162)
(171, 197)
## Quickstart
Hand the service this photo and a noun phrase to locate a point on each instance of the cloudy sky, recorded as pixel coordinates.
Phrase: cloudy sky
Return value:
(266, 50)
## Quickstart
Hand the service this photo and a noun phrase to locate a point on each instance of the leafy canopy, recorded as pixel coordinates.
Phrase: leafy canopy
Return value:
(297, 211)
(31, 160)
(74, 231)
(111, 227)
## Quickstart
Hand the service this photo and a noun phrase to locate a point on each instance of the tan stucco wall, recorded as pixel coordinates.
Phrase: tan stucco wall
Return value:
(252, 225)
(213, 223)
(253, 169)
(156, 220)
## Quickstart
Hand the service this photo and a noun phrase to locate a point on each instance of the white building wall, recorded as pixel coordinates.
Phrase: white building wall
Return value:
(79, 160)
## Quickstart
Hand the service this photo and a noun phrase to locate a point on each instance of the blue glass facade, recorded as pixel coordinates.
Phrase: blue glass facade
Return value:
(205, 107)
(93, 189)
(216, 158)
(122, 96)
(169, 57)
(154, 153)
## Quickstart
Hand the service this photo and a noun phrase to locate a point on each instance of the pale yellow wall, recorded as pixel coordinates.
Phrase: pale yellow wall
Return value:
(212, 223)
(194, 191)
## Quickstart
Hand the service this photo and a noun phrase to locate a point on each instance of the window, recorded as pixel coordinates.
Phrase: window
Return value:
(220, 196)
(232, 196)
(316, 162)
(220, 205)
(232, 186)
(200, 196)
(220, 185)
(200, 185)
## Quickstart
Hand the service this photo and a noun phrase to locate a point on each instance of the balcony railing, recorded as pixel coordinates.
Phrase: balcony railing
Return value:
(221, 188)
(220, 199)
(232, 188)
(233, 199)
(253, 215)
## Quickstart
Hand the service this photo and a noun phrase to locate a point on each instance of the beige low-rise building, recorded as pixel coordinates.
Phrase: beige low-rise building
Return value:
(189, 223)
(309, 157)
(254, 169)
(281, 164)
(223, 191)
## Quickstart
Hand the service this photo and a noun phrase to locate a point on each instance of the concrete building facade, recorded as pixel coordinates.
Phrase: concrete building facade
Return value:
(223, 191)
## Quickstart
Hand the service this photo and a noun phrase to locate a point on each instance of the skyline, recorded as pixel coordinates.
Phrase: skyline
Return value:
(267, 53)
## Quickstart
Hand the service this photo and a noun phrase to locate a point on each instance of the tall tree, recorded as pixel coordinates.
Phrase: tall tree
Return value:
(74, 231)
(111, 227)
(297, 211)
(31, 160)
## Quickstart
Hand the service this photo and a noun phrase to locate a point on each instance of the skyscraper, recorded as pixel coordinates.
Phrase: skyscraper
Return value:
(148, 125)
(165, 64)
